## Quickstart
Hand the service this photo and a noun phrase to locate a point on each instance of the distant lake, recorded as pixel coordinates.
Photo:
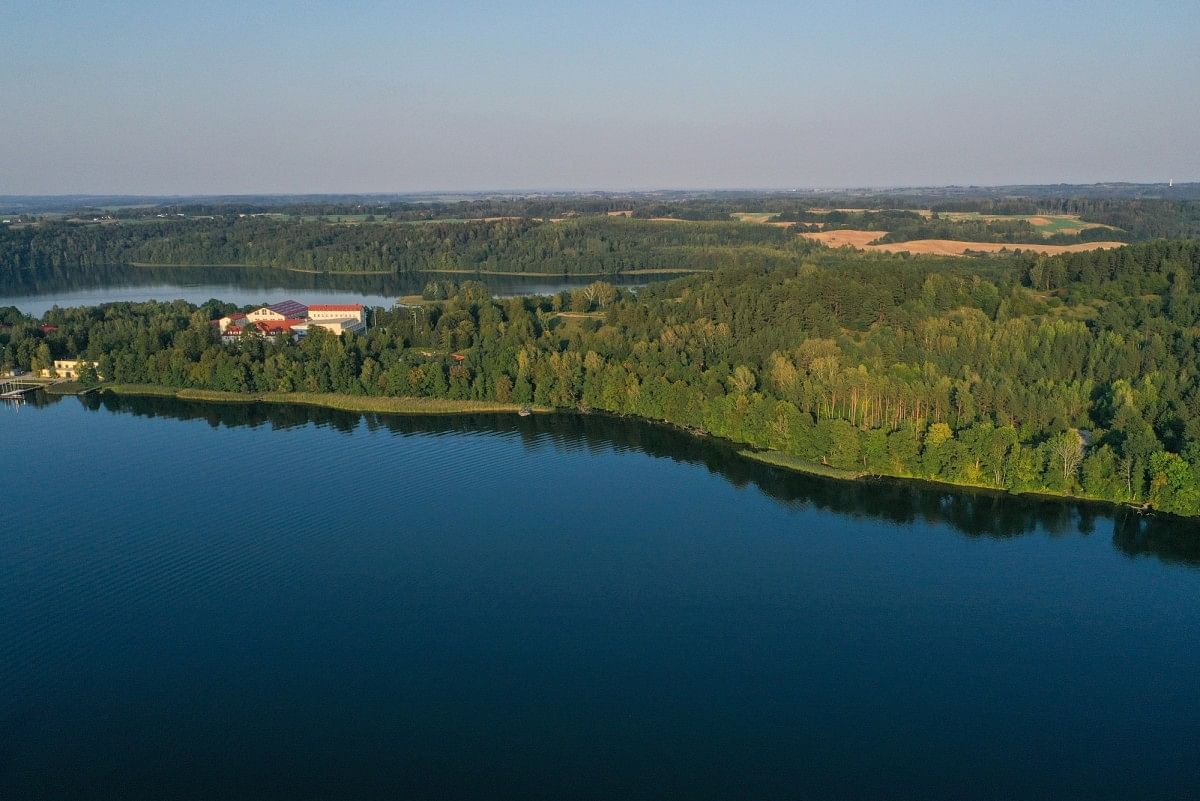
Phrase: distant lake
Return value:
(35, 293)
(244, 601)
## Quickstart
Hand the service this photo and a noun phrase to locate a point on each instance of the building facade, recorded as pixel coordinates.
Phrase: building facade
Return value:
(67, 368)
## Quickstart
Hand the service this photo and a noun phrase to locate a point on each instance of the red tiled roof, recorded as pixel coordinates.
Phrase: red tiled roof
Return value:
(277, 325)
(47, 328)
(336, 307)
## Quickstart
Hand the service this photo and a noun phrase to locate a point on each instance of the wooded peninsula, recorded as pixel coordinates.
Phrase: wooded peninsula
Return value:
(1075, 374)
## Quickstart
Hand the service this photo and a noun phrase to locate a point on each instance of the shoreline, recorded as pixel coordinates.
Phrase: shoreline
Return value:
(647, 271)
(445, 271)
(796, 465)
(328, 400)
(432, 406)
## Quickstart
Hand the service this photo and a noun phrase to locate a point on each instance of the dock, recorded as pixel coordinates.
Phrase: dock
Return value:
(15, 389)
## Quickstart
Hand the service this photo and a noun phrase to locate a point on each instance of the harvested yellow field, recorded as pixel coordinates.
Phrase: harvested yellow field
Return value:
(845, 238)
(953, 247)
(863, 240)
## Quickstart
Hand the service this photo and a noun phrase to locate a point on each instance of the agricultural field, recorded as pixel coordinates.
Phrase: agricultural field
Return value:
(755, 216)
(866, 240)
(952, 247)
(1046, 224)
(839, 238)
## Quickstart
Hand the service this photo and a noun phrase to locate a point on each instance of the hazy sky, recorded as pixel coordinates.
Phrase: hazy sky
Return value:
(213, 97)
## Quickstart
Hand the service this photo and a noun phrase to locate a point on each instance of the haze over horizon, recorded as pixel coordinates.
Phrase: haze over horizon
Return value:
(376, 98)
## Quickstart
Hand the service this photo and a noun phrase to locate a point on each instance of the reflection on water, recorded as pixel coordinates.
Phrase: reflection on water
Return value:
(972, 513)
(258, 601)
(36, 291)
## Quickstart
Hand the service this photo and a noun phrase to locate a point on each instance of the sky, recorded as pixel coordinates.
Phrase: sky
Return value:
(215, 97)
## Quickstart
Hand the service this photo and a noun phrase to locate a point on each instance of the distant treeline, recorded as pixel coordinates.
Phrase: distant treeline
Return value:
(585, 245)
(545, 235)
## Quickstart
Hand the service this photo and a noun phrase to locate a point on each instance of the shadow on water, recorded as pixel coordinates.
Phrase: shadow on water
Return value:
(973, 513)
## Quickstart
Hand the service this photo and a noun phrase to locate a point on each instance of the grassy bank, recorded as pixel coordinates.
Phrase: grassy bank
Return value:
(64, 388)
(800, 465)
(648, 271)
(331, 400)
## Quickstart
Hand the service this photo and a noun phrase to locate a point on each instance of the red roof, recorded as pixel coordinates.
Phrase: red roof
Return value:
(276, 326)
(336, 307)
(47, 328)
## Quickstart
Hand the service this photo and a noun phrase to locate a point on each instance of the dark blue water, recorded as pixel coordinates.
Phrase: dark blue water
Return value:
(203, 601)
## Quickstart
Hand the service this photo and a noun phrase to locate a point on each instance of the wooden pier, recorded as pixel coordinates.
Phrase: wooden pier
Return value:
(15, 389)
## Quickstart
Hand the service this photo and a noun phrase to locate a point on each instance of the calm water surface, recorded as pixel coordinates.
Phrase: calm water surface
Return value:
(201, 601)
(35, 293)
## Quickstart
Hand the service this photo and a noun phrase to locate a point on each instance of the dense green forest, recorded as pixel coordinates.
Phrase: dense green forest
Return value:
(547, 235)
(1076, 374)
(596, 245)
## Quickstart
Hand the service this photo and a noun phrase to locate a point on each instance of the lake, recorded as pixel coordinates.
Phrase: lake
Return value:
(243, 601)
(36, 292)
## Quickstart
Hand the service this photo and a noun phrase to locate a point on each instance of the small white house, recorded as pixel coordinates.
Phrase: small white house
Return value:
(67, 368)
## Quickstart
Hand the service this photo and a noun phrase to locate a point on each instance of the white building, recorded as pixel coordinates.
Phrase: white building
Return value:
(284, 310)
(292, 317)
(336, 318)
(66, 368)
(336, 311)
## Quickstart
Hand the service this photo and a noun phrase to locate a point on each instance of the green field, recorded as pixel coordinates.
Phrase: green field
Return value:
(789, 462)
(1046, 224)
(754, 216)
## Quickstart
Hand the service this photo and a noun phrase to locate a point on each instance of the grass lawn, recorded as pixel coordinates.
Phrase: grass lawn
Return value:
(64, 388)
(800, 465)
(331, 400)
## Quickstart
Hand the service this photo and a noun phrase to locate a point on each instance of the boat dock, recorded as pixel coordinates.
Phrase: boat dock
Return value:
(15, 389)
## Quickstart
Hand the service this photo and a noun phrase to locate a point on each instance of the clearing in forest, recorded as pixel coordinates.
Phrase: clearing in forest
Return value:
(1046, 224)
(954, 247)
(844, 237)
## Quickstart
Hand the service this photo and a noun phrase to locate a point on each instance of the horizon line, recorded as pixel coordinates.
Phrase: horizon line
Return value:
(593, 190)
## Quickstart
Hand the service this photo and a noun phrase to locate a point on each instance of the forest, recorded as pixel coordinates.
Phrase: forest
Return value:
(561, 235)
(596, 245)
(1072, 375)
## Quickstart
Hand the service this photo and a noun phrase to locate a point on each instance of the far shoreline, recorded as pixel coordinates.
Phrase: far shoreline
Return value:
(438, 271)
